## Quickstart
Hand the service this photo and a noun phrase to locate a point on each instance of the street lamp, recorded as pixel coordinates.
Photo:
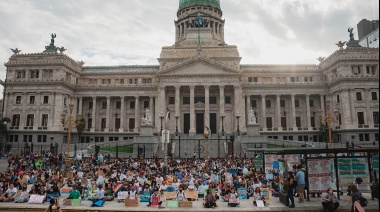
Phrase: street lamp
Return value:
(237, 118)
(352, 142)
(222, 117)
(69, 123)
(176, 124)
(161, 116)
(206, 133)
(329, 119)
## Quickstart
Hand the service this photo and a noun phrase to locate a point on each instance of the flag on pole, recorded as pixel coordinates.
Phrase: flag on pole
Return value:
(167, 114)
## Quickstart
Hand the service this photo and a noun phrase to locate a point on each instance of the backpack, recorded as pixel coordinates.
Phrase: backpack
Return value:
(363, 201)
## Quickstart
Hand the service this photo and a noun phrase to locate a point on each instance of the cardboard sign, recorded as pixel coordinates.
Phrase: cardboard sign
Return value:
(242, 193)
(130, 202)
(185, 204)
(154, 202)
(260, 203)
(65, 190)
(121, 195)
(233, 200)
(67, 202)
(170, 195)
(75, 202)
(191, 194)
(172, 204)
(265, 192)
(36, 199)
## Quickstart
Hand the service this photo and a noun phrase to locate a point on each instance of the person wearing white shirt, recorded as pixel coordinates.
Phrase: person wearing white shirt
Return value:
(9, 195)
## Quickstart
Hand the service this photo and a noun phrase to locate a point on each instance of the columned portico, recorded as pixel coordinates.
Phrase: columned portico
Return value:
(122, 113)
(93, 127)
(278, 112)
(263, 113)
(108, 115)
(207, 106)
(308, 112)
(192, 131)
(137, 114)
(294, 123)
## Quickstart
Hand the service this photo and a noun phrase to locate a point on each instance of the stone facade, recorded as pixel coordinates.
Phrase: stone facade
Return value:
(199, 79)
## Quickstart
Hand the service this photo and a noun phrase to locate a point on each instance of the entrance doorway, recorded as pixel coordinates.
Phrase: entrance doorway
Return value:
(200, 123)
(186, 123)
(213, 123)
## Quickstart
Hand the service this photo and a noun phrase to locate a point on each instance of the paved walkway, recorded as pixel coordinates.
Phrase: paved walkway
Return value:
(273, 204)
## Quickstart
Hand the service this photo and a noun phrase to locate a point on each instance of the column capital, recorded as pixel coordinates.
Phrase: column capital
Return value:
(222, 86)
(93, 97)
(137, 96)
(192, 87)
(161, 87)
(108, 97)
(292, 95)
(263, 95)
(307, 95)
(278, 95)
(237, 86)
(122, 97)
(207, 87)
(177, 87)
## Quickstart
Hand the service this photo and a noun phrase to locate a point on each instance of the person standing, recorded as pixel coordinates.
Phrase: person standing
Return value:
(300, 177)
(354, 197)
(289, 188)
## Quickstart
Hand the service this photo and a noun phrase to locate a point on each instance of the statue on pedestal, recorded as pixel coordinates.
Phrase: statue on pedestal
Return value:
(147, 120)
(252, 117)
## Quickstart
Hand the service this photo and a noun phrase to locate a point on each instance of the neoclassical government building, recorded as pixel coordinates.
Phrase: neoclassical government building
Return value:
(201, 81)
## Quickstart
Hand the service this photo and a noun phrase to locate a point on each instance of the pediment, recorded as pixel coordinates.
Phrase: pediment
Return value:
(201, 66)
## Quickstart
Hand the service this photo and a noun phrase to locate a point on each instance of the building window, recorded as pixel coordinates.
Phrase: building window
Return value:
(18, 99)
(294, 79)
(104, 105)
(374, 95)
(132, 105)
(103, 124)
(212, 100)
(253, 104)
(130, 81)
(311, 103)
(147, 81)
(31, 100)
(171, 100)
(252, 79)
(146, 104)
(358, 96)
(44, 120)
(297, 103)
(89, 125)
(283, 122)
(34, 73)
(92, 81)
(268, 103)
(269, 122)
(360, 118)
(16, 120)
(186, 100)
(298, 121)
(199, 99)
(118, 105)
(90, 105)
(20, 74)
(65, 101)
(282, 103)
(227, 100)
(337, 99)
(312, 119)
(106, 81)
(29, 120)
(376, 117)
(46, 100)
(136, 81)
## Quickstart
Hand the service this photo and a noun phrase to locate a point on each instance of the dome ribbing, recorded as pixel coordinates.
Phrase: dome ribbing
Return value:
(188, 3)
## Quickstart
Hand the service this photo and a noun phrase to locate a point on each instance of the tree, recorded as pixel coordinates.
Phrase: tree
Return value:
(323, 132)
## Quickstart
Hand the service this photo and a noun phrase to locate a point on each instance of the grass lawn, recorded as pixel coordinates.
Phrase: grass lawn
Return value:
(123, 149)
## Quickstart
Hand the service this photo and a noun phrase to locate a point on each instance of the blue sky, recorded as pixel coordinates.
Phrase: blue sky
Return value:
(132, 32)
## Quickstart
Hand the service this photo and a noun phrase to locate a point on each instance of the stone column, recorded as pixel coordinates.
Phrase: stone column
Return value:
(108, 115)
(221, 103)
(93, 127)
(263, 113)
(368, 121)
(247, 108)
(192, 131)
(151, 108)
(278, 112)
(177, 105)
(345, 109)
(37, 119)
(293, 112)
(162, 109)
(308, 119)
(137, 114)
(122, 113)
(80, 109)
(322, 107)
(207, 106)
(23, 118)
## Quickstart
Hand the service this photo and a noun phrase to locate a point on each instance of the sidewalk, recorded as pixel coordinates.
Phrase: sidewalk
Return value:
(273, 204)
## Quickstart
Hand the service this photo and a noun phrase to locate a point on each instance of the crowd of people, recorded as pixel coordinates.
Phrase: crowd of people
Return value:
(101, 178)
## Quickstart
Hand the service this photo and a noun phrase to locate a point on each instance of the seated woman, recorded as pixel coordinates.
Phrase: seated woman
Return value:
(210, 200)
(155, 199)
(22, 195)
(330, 201)
(257, 195)
(42, 192)
(109, 193)
(91, 191)
(74, 193)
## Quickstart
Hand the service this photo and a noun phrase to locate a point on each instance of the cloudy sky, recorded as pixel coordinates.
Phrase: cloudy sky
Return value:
(130, 32)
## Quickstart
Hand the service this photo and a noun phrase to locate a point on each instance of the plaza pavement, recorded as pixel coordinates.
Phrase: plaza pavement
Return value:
(273, 204)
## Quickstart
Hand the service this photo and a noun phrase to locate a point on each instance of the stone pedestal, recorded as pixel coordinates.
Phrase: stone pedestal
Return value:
(253, 130)
(146, 130)
(145, 140)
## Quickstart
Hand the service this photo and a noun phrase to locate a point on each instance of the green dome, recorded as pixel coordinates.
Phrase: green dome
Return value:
(189, 3)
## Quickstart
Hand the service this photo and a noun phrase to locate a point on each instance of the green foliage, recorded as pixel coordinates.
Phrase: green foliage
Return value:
(81, 125)
(323, 131)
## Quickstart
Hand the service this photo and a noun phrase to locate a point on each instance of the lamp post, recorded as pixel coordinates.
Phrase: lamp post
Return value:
(69, 123)
(161, 116)
(176, 124)
(237, 118)
(329, 120)
(80, 123)
(4, 133)
(352, 142)
(206, 133)
(222, 117)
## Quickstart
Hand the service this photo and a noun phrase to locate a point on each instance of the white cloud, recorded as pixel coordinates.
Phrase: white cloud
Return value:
(130, 32)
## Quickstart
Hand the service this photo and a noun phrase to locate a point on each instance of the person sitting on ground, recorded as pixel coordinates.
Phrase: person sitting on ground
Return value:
(155, 194)
(9, 195)
(74, 193)
(53, 202)
(330, 201)
(210, 200)
(257, 195)
(22, 195)
(233, 196)
(181, 195)
(109, 193)
(132, 194)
